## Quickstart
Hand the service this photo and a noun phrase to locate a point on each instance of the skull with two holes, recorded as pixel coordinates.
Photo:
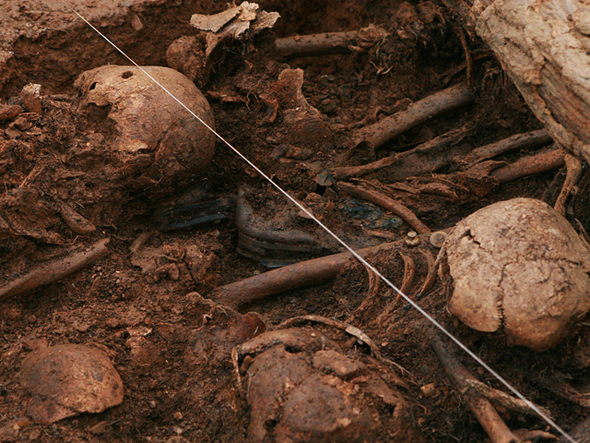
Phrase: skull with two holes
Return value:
(152, 143)
(519, 267)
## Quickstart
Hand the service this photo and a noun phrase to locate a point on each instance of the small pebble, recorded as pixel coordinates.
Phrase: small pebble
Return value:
(429, 390)
(113, 322)
(13, 314)
(412, 239)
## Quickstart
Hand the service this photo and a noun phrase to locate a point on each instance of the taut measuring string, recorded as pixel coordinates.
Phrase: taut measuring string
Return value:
(517, 393)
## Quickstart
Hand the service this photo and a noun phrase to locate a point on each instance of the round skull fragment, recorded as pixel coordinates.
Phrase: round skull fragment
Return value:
(67, 380)
(520, 267)
(150, 135)
(301, 387)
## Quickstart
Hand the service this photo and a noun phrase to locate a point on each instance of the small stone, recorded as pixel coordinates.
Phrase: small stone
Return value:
(8, 112)
(178, 416)
(136, 22)
(429, 390)
(412, 239)
(178, 430)
(81, 327)
(13, 314)
(113, 322)
(31, 95)
(22, 123)
(12, 133)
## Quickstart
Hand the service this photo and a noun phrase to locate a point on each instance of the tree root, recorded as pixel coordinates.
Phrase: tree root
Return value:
(479, 397)
(387, 203)
(534, 164)
(417, 113)
(413, 162)
(574, 173)
(55, 270)
(532, 139)
(276, 281)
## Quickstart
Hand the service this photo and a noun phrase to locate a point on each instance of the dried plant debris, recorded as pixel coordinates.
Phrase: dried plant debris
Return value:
(239, 22)
(520, 267)
(67, 380)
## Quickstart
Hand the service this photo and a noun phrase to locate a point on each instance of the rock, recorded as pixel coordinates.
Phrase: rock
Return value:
(31, 95)
(9, 112)
(156, 141)
(520, 267)
(187, 55)
(67, 380)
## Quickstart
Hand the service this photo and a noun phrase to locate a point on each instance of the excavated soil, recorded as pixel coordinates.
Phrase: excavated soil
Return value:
(146, 305)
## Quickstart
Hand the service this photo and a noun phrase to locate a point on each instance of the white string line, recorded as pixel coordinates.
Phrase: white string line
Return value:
(339, 240)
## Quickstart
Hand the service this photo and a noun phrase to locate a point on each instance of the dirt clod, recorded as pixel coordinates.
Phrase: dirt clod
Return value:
(66, 380)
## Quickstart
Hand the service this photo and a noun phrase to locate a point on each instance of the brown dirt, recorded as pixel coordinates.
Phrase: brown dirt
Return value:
(171, 346)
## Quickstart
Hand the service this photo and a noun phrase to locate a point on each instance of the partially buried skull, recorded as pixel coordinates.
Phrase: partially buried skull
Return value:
(152, 140)
(301, 387)
(520, 267)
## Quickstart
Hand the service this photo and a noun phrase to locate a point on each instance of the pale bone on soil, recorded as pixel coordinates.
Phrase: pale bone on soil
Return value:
(520, 267)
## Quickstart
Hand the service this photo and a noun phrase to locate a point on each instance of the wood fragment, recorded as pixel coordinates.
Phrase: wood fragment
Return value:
(32, 176)
(417, 113)
(530, 165)
(432, 272)
(542, 48)
(532, 139)
(409, 272)
(316, 44)
(468, 60)
(407, 281)
(76, 222)
(55, 270)
(331, 42)
(480, 406)
(388, 203)
(412, 162)
(574, 173)
(9, 112)
(506, 401)
(276, 281)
